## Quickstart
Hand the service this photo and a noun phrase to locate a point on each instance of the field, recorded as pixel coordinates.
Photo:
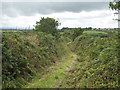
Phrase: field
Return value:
(73, 59)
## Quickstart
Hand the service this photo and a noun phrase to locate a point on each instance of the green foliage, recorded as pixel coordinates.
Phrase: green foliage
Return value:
(115, 5)
(47, 25)
(77, 32)
(97, 61)
(27, 54)
(73, 33)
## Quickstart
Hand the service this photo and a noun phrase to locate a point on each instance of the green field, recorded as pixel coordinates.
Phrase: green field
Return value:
(95, 32)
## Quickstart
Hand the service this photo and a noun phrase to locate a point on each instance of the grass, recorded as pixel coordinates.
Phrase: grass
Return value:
(54, 74)
(94, 32)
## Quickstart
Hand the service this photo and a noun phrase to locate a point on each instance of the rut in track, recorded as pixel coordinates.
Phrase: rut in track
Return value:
(55, 73)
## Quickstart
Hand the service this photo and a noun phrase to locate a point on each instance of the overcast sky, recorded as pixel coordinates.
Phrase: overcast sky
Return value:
(70, 14)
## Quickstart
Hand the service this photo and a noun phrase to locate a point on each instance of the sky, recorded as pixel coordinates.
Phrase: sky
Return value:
(23, 14)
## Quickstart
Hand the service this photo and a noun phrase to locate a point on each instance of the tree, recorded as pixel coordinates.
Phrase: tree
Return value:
(77, 32)
(47, 25)
(115, 5)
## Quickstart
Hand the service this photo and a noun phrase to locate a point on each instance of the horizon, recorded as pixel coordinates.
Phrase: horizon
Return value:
(13, 28)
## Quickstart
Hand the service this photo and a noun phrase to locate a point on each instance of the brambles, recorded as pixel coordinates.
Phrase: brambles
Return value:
(97, 63)
(26, 55)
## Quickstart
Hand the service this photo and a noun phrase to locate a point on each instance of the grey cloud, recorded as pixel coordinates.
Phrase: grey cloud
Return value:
(13, 9)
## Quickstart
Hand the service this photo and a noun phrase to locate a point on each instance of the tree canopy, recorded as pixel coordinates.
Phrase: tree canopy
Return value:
(47, 25)
(115, 5)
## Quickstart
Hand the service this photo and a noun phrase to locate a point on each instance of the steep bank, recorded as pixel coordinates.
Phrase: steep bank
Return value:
(97, 63)
(25, 54)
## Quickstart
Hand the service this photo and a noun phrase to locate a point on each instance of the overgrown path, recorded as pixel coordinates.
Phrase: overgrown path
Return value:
(55, 73)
